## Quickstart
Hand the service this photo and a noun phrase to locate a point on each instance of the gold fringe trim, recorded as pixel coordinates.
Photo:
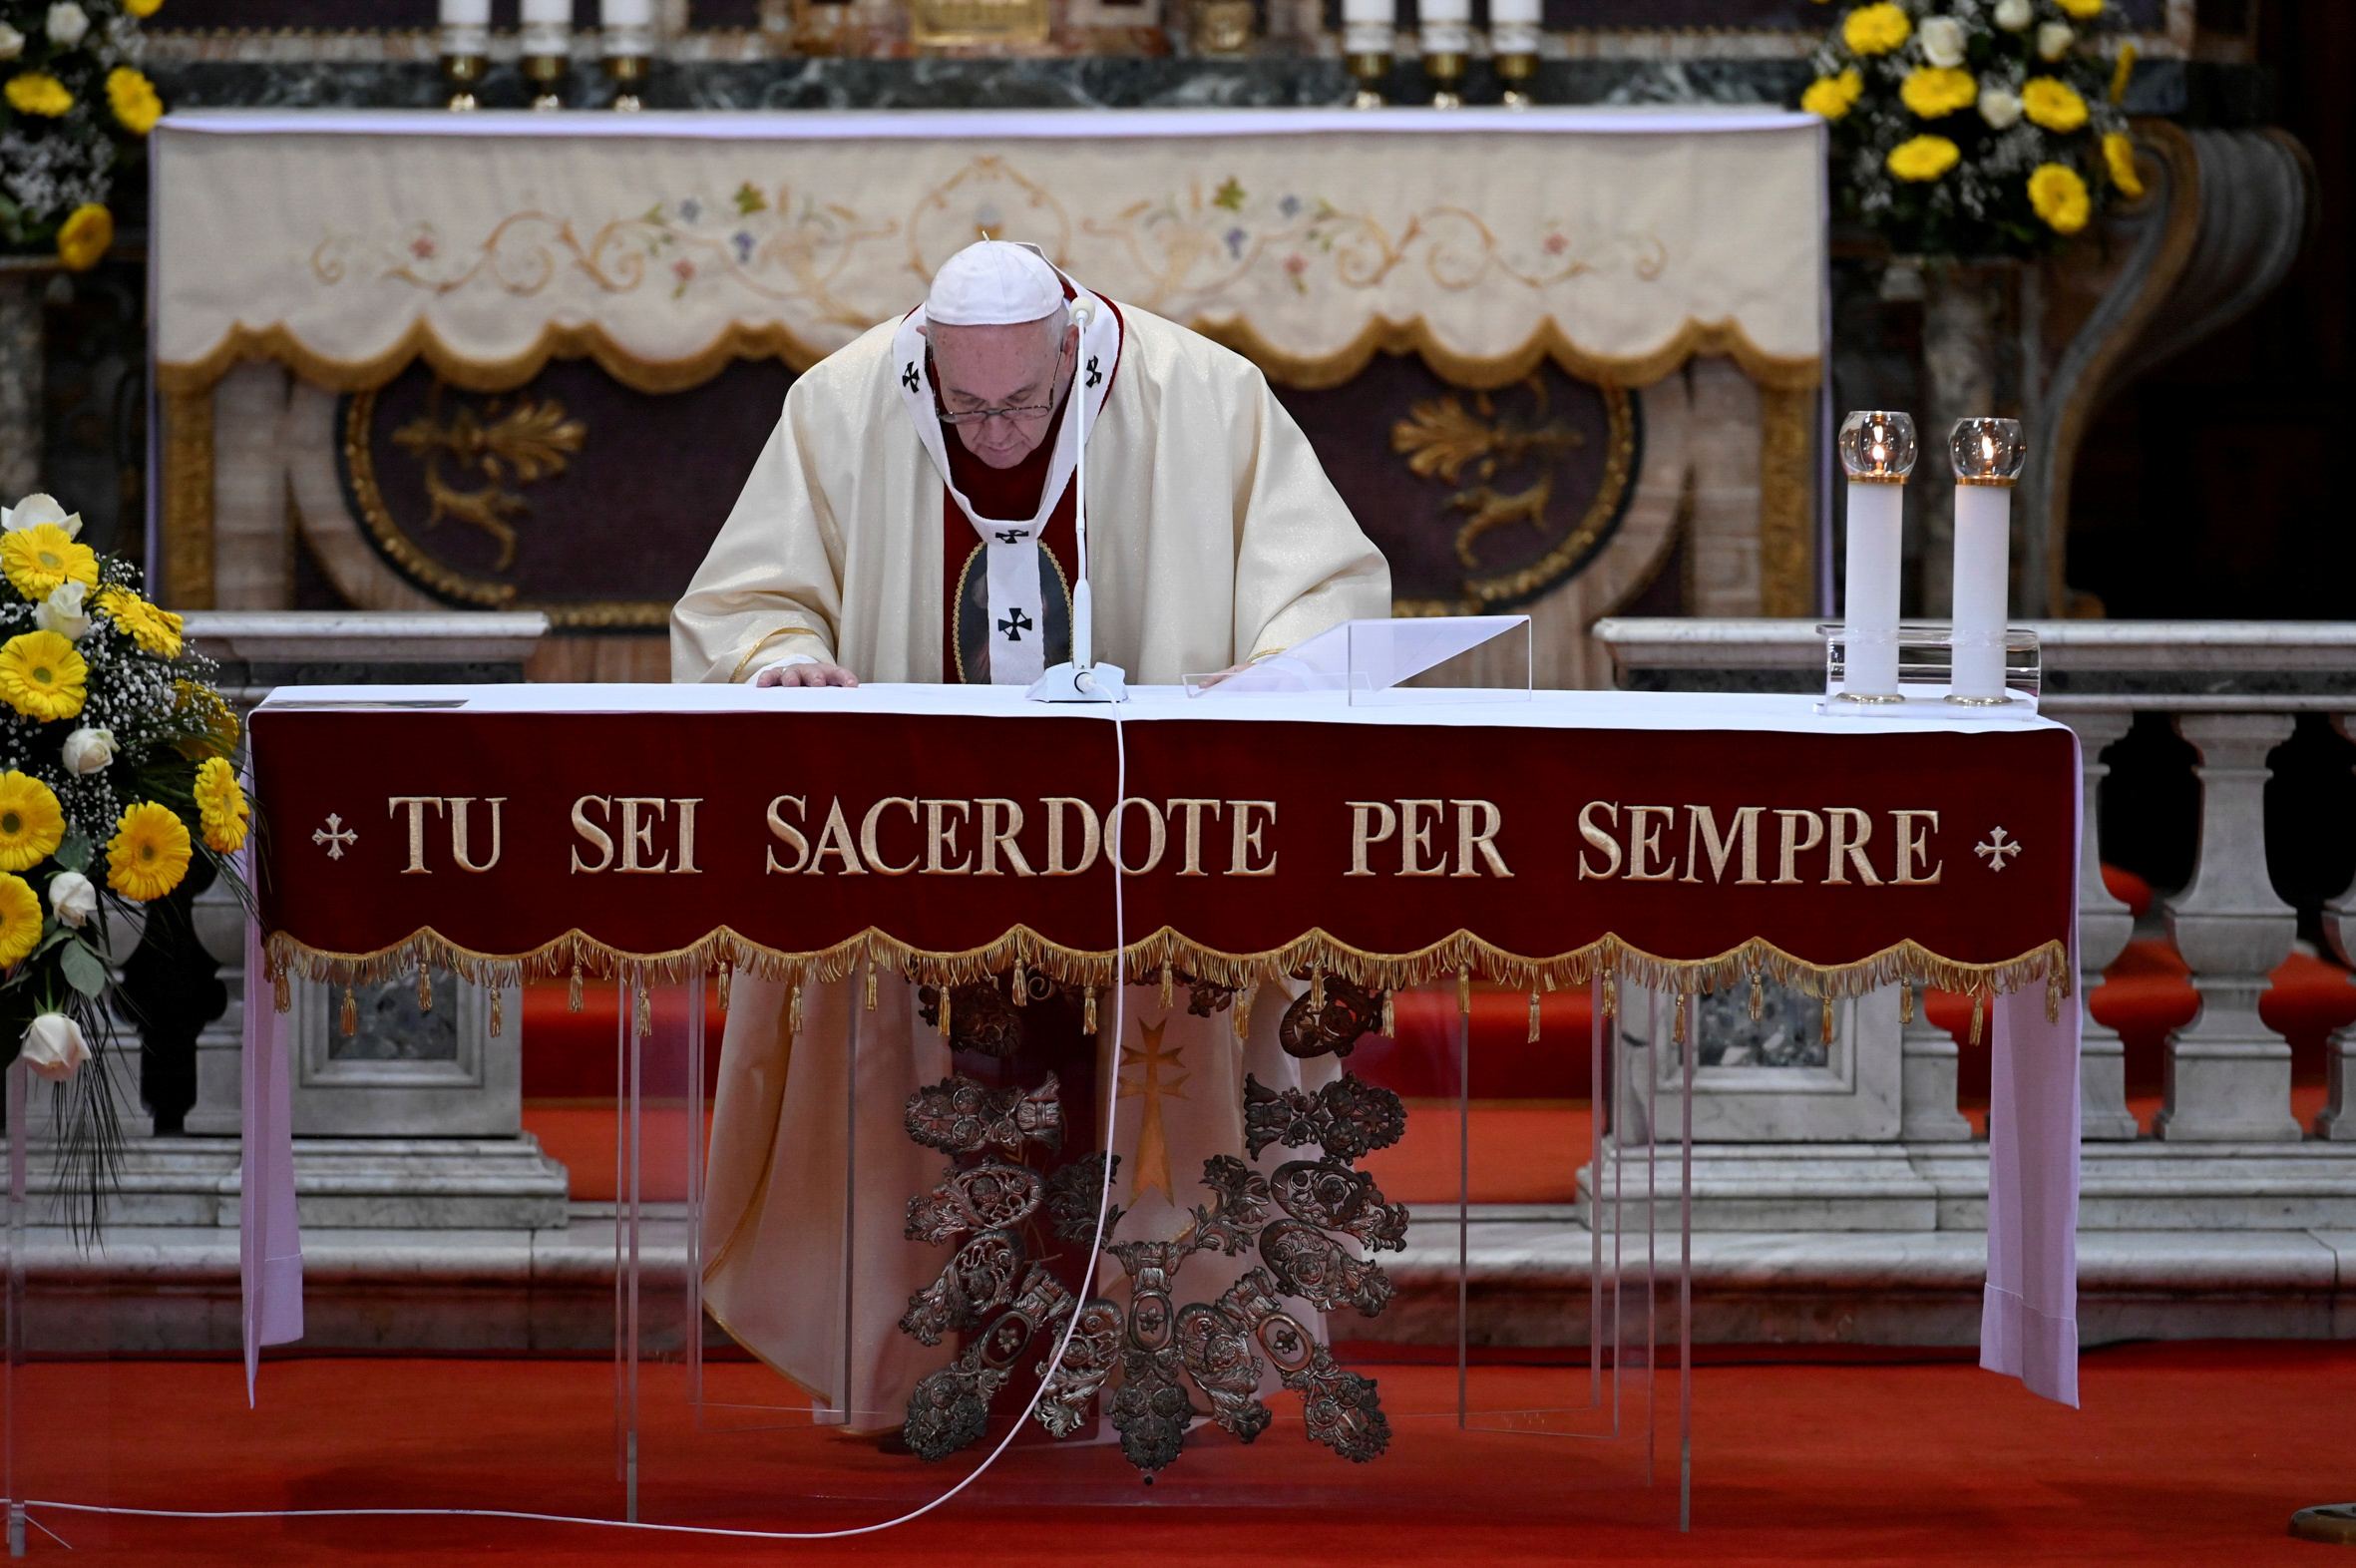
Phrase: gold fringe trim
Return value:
(1313, 955)
(727, 969)
(498, 993)
(350, 1020)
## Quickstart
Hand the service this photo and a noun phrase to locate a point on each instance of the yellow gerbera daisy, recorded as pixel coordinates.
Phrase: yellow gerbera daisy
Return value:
(41, 676)
(39, 93)
(149, 853)
(2083, 10)
(2059, 195)
(31, 824)
(210, 709)
(1831, 97)
(83, 239)
(43, 559)
(221, 804)
(142, 9)
(2118, 154)
(1875, 29)
(1932, 91)
(20, 920)
(134, 100)
(2052, 104)
(156, 630)
(1923, 158)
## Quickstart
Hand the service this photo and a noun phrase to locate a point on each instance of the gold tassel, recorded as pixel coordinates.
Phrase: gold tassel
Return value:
(2053, 998)
(793, 1008)
(1611, 994)
(1828, 1020)
(645, 1014)
(425, 988)
(1165, 985)
(1758, 995)
(349, 1023)
(1316, 990)
(497, 993)
(943, 995)
(1677, 1022)
(1390, 1020)
(281, 992)
(574, 998)
(1906, 1002)
(727, 971)
(871, 985)
(1243, 1010)
(1089, 1011)
(1533, 1017)
(1979, 1001)
(1021, 985)
(1464, 991)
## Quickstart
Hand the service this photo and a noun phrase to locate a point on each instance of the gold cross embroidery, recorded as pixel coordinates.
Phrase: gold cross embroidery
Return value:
(1153, 1146)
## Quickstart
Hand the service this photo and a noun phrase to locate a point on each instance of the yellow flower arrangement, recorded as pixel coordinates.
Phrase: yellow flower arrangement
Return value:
(31, 824)
(20, 920)
(149, 853)
(2079, 10)
(42, 677)
(220, 806)
(134, 100)
(210, 709)
(142, 9)
(2118, 156)
(1924, 157)
(156, 630)
(2052, 104)
(39, 93)
(1831, 97)
(1875, 29)
(1932, 90)
(83, 238)
(2060, 197)
(43, 559)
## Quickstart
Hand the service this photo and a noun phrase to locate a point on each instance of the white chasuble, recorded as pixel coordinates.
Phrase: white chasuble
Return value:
(1214, 536)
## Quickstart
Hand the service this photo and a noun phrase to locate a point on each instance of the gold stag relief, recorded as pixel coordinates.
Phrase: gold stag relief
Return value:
(1442, 438)
(528, 440)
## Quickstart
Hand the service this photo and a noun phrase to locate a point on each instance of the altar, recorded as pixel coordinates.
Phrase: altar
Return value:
(1179, 867)
(427, 361)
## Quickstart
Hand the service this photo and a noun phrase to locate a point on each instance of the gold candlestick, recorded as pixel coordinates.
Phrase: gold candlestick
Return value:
(627, 73)
(463, 72)
(545, 72)
(1446, 70)
(1515, 72)
(1370, 70)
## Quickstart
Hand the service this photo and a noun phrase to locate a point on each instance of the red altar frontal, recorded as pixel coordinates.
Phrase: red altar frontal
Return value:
(1006, 976)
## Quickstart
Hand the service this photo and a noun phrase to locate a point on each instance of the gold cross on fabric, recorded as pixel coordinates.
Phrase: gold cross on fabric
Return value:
(1152, 1169)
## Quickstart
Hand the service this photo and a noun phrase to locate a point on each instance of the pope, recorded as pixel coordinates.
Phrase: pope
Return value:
(911, 519)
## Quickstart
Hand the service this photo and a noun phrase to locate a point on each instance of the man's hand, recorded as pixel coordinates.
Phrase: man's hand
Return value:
(805, 675)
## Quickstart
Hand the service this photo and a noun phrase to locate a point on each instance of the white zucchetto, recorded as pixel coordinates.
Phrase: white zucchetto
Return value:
(994, 282)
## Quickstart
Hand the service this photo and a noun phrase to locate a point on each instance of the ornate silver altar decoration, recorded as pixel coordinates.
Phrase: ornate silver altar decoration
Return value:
(1160, 1350)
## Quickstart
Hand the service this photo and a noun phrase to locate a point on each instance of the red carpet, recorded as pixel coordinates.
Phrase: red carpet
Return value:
(2184, 1454)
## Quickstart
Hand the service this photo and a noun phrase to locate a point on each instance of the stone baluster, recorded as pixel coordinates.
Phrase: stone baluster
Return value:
(1928, 1056)
(2104, 927)
(2228, 1075)
(2338, 1121)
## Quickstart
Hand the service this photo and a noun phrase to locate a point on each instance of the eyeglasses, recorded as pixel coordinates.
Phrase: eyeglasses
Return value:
(1023, 411)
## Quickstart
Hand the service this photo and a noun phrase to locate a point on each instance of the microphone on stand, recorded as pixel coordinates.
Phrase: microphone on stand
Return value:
(1082, 679)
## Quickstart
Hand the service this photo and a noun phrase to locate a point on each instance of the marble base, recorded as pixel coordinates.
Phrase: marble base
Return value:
(374, 1184)
(174, 1289)
(2141, 1186)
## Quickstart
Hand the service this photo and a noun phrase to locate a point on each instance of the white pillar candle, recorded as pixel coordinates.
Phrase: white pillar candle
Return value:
(465, 27)
(1369, 27)
(1878, 451)
(1513, 27)
(1987, 454)
(626, 13)
(548, 27)
(1445, 26)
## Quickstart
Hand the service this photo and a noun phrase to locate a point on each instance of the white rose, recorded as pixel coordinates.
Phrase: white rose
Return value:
(2054, 40)
(73, 897)
(89, 750)
(2012, 15)
(1942, 41)
(12, 41)
(64, 612)
(2002, 110)
(36, 509)
(54, 1047)
(67, 23)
